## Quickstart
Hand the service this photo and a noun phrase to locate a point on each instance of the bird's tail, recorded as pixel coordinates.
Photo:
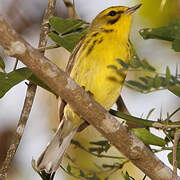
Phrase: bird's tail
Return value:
(50, 159)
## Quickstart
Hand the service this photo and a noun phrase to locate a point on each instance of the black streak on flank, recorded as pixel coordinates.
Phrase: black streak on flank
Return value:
(95, 34)
(91, 47)
(100, 41)
(113, 21)
(85, 45)
(108, 30)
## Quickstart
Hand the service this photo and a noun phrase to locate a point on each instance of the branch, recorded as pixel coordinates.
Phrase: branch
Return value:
(19, 132)
(30, 94)
(71, 9)
(144, 122)
(44, 29)
(121, 107)
(81, 102)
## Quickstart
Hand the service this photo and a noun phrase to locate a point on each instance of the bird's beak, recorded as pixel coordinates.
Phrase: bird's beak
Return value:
(132, 9)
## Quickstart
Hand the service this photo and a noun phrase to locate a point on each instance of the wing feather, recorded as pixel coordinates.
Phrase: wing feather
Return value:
(69, 67)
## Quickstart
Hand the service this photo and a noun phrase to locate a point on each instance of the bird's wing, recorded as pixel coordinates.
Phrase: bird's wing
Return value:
(68, 71)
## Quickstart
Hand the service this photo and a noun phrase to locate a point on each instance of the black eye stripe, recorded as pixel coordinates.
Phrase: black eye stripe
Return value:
(115, 16)
(120, 12)
(113, 13)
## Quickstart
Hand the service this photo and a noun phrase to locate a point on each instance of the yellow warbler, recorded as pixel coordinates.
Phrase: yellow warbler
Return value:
(106, 41)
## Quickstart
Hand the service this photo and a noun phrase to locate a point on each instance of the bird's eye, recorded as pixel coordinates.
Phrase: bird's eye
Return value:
(112, 13)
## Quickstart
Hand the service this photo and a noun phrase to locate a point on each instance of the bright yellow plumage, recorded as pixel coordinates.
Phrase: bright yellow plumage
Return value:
(106, 41)
(91, 70)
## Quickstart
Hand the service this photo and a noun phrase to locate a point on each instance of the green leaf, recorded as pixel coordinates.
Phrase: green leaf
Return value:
(170, 158)
(170, 32)
(156, 33)
(81, 173)
(175, 80)
(157, 82)
(68, 169)
(168, 75)
(137, 85)
(104, 146)
(94, 177)
(163, 81)
(76, 143)
(63, 26)
(113, 67)
(122, 63)
(134, 63)
(176, 45)
(150, 83)
(126, 176)
(114, 165)
(33, 163)
(143, 79)
(8, 80)
(100, 143)
(97, 150)
(150, 112)
(2, 64)
(175, 89)
(148, 138)
(137, 63)
(147, 66)
(134, 53)
(68, 41)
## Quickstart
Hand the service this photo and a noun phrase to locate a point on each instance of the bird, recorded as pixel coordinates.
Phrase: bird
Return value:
(106, 41)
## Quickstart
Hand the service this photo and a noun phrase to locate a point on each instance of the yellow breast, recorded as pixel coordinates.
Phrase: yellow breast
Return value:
(91, 67)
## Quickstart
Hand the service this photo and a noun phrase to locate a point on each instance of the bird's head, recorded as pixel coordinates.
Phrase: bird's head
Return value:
(117, 18)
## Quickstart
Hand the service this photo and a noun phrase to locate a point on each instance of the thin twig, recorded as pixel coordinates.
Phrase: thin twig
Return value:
(173, 113)
(30, 94)
(15, 65)
(122, 108)
(71, 9)
(45, 29)
(41, 49)
(162, 149)
(19, 131)
(145, 122)
(176, 140)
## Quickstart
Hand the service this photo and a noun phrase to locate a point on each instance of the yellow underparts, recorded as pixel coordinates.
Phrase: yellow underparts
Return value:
(92, 71)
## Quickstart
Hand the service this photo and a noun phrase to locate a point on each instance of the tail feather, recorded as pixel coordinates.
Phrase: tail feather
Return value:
(51, 158)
